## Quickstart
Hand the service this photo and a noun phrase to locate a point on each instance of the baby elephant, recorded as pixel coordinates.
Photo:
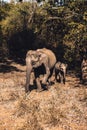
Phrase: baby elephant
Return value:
(60, 72)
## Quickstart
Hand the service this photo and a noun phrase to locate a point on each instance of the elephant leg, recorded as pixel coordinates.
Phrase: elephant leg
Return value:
(56, 76)
(60, 77)
(28, 73)
(39, 88)
(26, 88)
(46, 76)
(64, 79)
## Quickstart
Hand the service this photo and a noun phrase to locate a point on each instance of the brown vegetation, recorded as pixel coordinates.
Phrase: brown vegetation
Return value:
(62, 107)
(62, 29)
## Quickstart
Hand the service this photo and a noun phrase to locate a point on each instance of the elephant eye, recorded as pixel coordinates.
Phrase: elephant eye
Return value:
(33, 63)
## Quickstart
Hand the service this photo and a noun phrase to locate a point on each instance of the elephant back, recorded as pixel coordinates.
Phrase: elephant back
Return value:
(51, 56)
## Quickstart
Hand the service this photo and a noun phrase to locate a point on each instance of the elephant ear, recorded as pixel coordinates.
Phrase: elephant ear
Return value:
(51, 56)
(33, 55)
(29, 53)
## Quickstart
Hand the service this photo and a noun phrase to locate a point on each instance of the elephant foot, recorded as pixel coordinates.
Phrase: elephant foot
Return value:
(44, 86)
(26, 91)
(26, 88)
(39, 90)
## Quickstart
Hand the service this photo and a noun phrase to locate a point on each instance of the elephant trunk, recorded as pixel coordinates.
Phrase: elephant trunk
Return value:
(28, 73)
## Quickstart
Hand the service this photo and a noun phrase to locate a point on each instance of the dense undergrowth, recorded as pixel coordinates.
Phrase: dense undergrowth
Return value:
(27, 26)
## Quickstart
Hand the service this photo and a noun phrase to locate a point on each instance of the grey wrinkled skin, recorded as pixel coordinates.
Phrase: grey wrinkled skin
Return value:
(60, 71)
(36, 59)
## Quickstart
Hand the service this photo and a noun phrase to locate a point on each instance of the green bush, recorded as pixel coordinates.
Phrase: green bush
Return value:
(63, 29)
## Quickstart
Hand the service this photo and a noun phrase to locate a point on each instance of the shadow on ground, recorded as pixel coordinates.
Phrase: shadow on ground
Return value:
(7, 66)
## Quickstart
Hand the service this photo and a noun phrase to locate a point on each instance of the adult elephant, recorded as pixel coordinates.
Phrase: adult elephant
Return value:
(36, 60)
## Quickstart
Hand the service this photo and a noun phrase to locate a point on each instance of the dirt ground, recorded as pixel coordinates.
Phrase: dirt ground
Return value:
(62, 107)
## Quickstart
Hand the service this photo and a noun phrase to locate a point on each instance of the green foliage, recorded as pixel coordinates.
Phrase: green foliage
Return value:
(17, 19)
(63, 29)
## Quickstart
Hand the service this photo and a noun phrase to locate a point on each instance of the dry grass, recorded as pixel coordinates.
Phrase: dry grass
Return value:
(62, 107)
